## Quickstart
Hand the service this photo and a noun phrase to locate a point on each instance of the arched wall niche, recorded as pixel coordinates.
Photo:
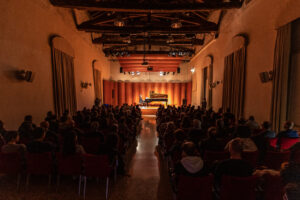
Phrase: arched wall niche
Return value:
(62, 44)
(239, 41)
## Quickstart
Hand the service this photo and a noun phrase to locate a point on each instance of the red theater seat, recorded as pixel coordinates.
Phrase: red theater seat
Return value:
(274, 160)
(273, 142)
(273, 189)
(238, 188)
(10, 163)
(194, 188)
(212, 156)
(251, 157)
(91, 145)
(39, 164)
(286, 143)
(96, 166)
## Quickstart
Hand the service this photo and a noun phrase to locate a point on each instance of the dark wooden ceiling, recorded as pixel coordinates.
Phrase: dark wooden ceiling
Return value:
(147, 23)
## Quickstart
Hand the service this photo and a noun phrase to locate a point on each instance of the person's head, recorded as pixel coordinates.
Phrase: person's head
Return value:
(251, 118)
(179, 135)
(266, 125)
(28, 118)
(196, 123)
(39, 133)
(236, 147)
(95, 125)
(212, 132)
(12, 137)
(70, 141)
(112, 140)
(45, 125)
(288, 125)
(243, 131)
(189, 149)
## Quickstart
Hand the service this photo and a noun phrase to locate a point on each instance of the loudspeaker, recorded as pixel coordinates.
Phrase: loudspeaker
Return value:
(25, 75)
(178, 70)
(121, 69)
(264, 77)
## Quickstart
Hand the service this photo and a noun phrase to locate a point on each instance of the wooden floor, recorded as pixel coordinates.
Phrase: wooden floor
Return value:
(148, 180)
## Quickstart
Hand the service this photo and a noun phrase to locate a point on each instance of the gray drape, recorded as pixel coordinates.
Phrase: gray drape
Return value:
(280, 77)
(63, 82)
(97, 83)
(234, 82)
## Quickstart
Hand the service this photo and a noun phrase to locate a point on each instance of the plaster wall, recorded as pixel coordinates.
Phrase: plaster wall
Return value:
(259, 20)
(26, 27)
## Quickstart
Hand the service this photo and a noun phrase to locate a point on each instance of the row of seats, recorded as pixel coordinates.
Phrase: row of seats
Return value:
(232, 188)
(86, 165)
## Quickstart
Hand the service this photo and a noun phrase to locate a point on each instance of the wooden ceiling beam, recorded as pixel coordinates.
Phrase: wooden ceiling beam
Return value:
(145, 7)
(151, 42)
(148, 29)
(165, 62)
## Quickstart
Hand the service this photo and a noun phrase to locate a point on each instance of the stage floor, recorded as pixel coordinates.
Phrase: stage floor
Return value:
(150, 110)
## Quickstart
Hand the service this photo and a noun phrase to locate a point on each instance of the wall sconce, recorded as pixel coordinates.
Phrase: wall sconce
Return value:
(266, 76)
(85, 85)
(193, 70)
(24, 75)
(214, 84)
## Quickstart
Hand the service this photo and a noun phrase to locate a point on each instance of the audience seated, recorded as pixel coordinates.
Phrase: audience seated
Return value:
(252, 124)
(243, 132)
(12, 145)
(214, 142)
(26, 129)
(191, 164)
(38, 145)
(71, 146)
(234, 166)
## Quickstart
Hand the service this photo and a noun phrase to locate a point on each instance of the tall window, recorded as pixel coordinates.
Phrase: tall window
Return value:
(63, 76)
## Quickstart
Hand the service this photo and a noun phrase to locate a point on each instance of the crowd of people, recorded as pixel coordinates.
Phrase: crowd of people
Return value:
(115, 127)
(186, 133)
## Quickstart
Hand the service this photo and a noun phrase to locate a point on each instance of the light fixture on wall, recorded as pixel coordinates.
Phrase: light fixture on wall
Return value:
(176, 24)
(85, 85)
(193, 69)
(24, 75)
(214, 84)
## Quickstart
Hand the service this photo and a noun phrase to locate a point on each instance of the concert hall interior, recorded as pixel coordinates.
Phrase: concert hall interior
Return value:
(150, 99)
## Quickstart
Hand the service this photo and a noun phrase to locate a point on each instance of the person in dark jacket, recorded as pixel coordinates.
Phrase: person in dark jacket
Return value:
(38, 145)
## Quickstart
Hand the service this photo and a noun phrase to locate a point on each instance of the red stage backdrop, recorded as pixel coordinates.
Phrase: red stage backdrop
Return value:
(119, 92)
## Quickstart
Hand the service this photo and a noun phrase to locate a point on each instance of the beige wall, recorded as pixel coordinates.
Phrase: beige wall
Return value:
(259, 20)
(183, 76)
(24, 44)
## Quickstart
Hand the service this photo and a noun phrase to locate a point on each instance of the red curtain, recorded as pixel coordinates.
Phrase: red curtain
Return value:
(189, 93)
(118, 93)
(121, 91)
(182, 92)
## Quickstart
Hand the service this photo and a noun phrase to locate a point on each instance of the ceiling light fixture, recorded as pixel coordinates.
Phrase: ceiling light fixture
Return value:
(176, 24)
(119, 22)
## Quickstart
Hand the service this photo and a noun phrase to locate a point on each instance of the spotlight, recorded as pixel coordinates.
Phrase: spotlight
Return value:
(132, 73)
(138, 73)
(193, 70)
(161, 73)
(176, 24)
(119, 22)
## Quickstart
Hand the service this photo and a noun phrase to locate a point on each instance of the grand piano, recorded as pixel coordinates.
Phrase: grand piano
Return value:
(156, 97)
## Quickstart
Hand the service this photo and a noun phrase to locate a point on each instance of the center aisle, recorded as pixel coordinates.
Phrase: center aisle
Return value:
(149, 177)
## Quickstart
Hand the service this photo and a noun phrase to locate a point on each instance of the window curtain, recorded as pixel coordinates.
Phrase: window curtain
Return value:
(234, 82)
(63, 82)
(280, 77)
(97, 83)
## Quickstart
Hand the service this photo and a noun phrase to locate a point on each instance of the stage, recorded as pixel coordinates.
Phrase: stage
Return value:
(149, 110)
